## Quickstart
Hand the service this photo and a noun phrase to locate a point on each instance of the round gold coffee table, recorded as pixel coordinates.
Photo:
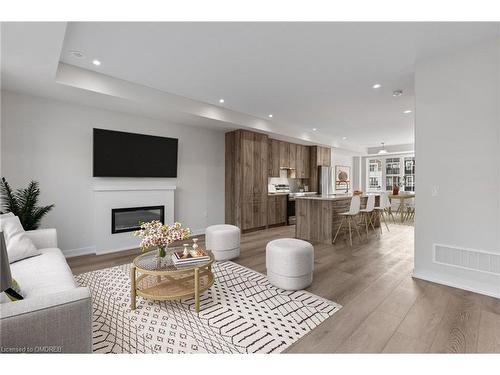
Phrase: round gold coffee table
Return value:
(152, 279)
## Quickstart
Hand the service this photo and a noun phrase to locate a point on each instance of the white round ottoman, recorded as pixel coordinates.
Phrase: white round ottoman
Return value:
(223, 240)
(290, 263)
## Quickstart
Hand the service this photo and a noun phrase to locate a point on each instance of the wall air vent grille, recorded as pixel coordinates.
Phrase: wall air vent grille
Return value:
(470, 259)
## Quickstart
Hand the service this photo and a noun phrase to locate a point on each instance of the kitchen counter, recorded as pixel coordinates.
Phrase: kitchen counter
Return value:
(318, 217)
(333, 197)
(298, 194)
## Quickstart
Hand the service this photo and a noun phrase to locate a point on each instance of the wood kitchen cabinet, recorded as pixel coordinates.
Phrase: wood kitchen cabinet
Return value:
(274, 158)
(276, 209)
(302, 166)
(326, 156)
(292, 155)
(284, 154)
(246, 179)
(319, 157)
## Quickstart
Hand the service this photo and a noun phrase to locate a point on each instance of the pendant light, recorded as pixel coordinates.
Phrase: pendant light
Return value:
(383, 150)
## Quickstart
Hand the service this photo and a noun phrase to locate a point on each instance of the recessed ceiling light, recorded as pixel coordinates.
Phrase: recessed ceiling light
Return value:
(76, 54)
(96, 62)
(377, 86)
(270, 115)
(407, 111)
(314, 129)
(344, 138)
(221, 101)
(397, 93)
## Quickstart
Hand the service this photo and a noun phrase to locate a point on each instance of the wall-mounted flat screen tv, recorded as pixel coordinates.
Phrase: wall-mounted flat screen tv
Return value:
(120, 154)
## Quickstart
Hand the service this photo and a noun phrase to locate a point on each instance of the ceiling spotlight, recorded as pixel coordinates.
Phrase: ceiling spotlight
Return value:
(76, 54)
(344, 138)
(221, 101)
(270, 115)
(407, 111)
(397, 93)
(382, 150)
(314, 129)
(96, 62)
(377, 86)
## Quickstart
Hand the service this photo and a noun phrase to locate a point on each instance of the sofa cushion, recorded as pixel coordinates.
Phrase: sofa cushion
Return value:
(19, 246)
(44, 274)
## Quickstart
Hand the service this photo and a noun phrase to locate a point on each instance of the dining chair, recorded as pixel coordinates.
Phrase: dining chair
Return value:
(384, 209)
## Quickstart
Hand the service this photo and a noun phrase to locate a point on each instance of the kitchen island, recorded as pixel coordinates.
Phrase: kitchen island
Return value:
(317, 217)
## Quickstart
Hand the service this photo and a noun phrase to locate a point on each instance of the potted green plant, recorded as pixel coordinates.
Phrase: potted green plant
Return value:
(24, 204)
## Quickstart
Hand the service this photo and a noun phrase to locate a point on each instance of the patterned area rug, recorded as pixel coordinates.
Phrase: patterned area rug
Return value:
(240, 313)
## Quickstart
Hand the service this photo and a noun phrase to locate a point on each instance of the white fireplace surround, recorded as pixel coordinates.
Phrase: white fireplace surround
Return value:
(109, 196)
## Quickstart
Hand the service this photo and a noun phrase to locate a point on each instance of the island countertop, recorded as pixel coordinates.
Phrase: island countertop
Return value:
(334, 197)
(318, 217)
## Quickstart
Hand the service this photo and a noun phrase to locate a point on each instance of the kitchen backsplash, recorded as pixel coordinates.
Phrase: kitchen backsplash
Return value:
(293, 182)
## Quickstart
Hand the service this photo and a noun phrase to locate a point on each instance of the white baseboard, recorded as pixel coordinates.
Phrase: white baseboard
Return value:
(92, 250)
(443, 281)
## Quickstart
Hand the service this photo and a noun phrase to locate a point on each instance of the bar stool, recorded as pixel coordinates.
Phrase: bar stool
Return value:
(384, 208)
(348, 217)
(367, 212)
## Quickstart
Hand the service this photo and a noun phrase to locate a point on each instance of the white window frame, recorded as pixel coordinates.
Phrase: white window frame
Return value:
(383, 158)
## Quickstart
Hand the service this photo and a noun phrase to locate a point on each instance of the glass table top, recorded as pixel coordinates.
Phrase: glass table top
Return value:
(151, 262)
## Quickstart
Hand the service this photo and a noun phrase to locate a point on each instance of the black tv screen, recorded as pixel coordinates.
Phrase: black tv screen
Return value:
(120, 154)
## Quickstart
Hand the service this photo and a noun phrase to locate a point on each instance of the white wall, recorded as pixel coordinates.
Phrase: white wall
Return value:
(51, 142)
(457, 161)
(345, 158)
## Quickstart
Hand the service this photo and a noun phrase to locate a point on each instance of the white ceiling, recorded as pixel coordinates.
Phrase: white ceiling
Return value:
(315, 75)
(308, 75)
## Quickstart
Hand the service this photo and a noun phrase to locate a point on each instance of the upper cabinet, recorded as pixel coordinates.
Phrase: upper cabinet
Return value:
(302, 168)
(274, 158)
(292, 155)
(324, 156)
(285, 155)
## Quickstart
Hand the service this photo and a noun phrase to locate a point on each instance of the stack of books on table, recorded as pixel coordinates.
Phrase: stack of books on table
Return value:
(192, 257)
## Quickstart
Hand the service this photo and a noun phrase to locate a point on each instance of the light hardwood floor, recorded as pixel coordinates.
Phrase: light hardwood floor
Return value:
(384, 309)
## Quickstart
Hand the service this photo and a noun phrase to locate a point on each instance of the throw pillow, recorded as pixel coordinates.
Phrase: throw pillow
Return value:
(19, 246)
(4, 216)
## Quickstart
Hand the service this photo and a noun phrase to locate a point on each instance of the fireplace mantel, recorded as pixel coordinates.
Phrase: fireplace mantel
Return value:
(113, 194)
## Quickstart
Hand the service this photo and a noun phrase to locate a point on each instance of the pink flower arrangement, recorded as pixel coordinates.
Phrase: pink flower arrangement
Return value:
(156, 234)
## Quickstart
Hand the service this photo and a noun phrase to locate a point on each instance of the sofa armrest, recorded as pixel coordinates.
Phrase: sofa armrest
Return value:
(59, 322)
(43, 238)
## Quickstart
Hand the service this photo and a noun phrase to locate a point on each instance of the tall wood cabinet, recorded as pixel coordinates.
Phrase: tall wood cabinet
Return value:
(246, 179)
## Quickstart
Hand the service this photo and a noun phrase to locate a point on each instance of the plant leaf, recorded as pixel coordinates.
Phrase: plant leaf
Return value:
(8, 198)
(23, 204)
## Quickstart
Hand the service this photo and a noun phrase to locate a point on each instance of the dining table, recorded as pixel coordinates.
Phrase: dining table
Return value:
(403, 198)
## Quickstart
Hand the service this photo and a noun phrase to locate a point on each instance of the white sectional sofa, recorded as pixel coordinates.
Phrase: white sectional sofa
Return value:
(55, 314)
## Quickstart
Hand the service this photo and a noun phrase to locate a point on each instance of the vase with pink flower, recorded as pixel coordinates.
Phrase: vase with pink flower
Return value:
(156, 235)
